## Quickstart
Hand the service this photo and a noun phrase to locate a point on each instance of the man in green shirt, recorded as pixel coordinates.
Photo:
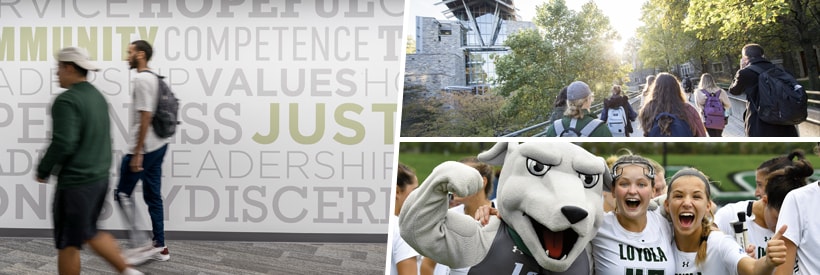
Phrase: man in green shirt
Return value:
(80, 156)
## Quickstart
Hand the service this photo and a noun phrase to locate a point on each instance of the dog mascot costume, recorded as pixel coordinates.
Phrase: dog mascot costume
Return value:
(549, 197)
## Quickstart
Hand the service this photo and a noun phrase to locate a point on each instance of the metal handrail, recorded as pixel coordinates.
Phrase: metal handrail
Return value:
(594, 109)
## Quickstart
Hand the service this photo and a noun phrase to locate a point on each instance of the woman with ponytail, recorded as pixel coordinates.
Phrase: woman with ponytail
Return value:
(699, 248)
(666, 96)
(795, 210)
(759, 230)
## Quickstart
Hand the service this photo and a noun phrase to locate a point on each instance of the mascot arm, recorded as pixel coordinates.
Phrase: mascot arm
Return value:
(447, 237)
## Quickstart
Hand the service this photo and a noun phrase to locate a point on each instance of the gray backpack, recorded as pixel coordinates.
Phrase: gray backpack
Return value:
(166, 117)
(572, 132)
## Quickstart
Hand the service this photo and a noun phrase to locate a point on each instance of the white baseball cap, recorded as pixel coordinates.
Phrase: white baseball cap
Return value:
(77, 55)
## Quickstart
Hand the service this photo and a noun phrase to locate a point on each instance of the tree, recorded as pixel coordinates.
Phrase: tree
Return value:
(775, 24)
(665, 43)
(567, 46)
(410, 48)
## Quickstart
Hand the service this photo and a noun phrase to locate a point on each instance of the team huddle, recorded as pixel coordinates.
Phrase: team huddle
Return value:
(652, 225)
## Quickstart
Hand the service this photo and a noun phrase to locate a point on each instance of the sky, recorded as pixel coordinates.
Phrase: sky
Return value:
(624, 15)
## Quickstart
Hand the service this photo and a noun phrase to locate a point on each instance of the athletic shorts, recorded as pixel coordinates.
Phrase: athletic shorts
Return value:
(76, 210)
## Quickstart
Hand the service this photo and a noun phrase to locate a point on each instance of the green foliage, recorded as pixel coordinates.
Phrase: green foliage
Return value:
(410, 48)
(568, 46)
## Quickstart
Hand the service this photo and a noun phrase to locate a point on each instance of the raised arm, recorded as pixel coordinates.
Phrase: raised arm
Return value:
(450, 238)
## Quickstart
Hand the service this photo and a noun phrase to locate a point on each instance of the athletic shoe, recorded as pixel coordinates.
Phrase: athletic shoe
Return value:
(161, 255)
(139, 255)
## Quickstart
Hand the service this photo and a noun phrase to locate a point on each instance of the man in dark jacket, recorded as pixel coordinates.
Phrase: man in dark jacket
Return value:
(746, 82)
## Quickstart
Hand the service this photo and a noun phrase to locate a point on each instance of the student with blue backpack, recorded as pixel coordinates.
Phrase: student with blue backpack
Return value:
(667, 113)
(714, 105)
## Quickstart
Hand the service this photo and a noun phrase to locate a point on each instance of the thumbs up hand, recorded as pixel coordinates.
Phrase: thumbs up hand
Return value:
(776, 248)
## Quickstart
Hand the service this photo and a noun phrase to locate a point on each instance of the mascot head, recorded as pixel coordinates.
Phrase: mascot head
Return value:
(550, 194)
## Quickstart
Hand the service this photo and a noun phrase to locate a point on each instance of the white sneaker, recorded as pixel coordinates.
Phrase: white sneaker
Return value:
(131, 271)
(139, 255)
(161, 254)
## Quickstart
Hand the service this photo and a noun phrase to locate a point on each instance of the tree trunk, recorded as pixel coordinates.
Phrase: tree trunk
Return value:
(811, 64)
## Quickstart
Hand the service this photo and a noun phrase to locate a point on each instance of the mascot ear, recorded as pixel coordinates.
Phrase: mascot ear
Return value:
(497, 154)
(607, 176)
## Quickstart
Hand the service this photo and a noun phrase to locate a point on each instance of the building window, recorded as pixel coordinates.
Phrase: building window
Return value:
(717, 67)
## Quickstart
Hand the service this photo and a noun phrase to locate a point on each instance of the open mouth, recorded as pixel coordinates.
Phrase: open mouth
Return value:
(557, 244)
(686, 219)
(633, 203)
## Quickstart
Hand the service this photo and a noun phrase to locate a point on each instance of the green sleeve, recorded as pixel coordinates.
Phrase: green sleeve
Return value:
(64, 136)
(551, 131)
(601, 131)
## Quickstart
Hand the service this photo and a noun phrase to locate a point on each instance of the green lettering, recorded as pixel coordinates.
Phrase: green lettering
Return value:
(148, 34)
(274, 127)
(318, 131)
(125, 38)
(33, 44)
(389, 111)
(87, 38)
(7, 44)
(107, 48)
(357, 127)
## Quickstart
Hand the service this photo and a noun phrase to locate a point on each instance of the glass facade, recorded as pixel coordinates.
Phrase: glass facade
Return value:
(484, 33)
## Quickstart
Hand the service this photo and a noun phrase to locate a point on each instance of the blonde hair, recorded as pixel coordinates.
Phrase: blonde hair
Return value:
(575, 108)
(707, 82)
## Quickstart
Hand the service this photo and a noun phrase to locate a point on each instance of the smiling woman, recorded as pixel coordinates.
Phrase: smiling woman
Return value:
(633, 229)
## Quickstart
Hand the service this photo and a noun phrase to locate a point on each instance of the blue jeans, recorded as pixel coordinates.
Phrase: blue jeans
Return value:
(151, 177)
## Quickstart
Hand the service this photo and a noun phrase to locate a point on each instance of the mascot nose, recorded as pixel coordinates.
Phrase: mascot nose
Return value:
(574, 214)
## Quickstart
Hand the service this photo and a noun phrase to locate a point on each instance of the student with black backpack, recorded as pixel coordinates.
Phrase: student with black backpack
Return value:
(577, 120)
(770, 112)
(668, 114)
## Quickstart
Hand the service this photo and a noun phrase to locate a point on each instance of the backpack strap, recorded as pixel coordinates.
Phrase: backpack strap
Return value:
(558, 125)
(590, 127)
(756, 68)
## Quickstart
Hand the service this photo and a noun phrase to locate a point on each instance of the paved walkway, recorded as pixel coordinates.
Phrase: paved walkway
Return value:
(38, 256)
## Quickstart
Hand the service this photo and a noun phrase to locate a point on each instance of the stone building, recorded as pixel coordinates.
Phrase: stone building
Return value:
(456, 54)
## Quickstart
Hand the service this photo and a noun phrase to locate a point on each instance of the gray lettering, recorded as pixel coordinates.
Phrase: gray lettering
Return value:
(359, 42)
(193, 49)
(77, 9)
(174, 164)
(185, 138)
(147, 11)
(241, 42)
(322, 204)
(231, 203)
(217, 46)
(192, 211)
(290, 163)
(346, 164)
(225, 8)
(314, 76)
(346, 82)
(297, 42)
(108, 8)
(38, 205)
(30, 79)
(391, 34)
(28, 122)
(398, 13)
(232, 162)
(182, 5)
(277, 205)
(364, 205)
(262, 164)
(239, 82)
(4, 201)
(355, 12)
(324, 164)
(367, 81)
(168, 40)
(300, 83)
(346, 55)
(169, 200)
(209, 156)
(9, 115)
(260, 83)
(263, 210)
(321, 5)
(13, 160)
(11, 4)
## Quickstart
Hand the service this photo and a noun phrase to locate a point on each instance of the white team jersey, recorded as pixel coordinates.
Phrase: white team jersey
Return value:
(757, 235)
(722, 256)
(401, 250)
(617, 251)
(798, 213)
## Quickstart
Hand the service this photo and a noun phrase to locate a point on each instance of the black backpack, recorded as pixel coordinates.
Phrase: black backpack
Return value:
(780, 99)
(677, 128)
(166, 116)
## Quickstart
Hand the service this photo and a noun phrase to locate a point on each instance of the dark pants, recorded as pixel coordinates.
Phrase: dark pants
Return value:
(151, 177)
(714, 132)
